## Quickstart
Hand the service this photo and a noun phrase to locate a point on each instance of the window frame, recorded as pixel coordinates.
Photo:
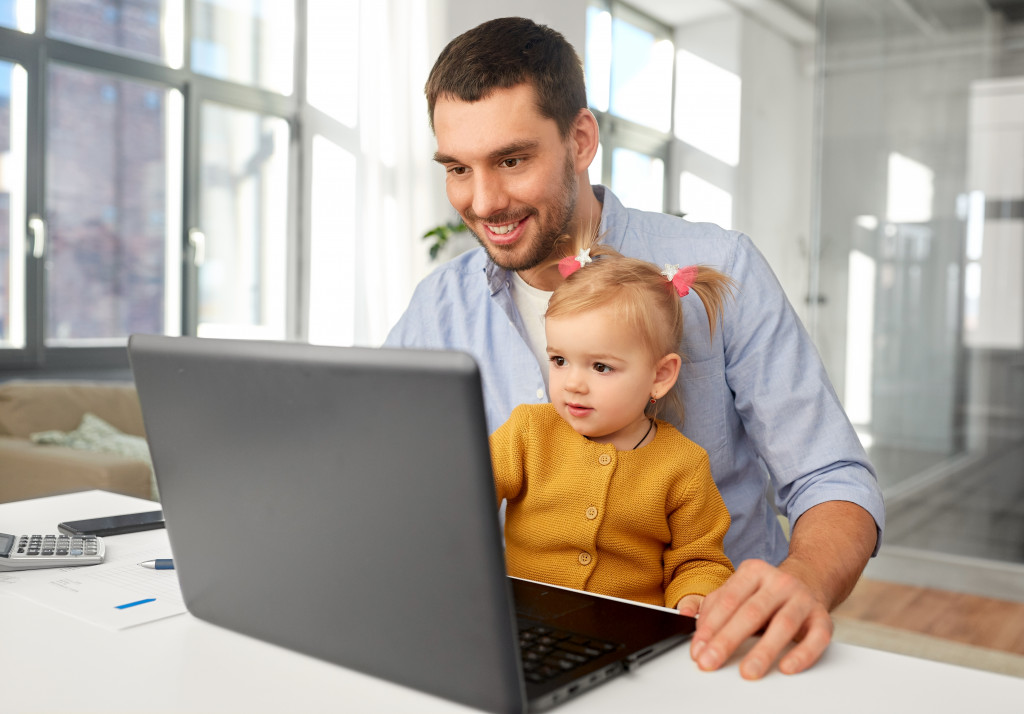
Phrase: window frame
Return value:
(620, 133)
(36, 52)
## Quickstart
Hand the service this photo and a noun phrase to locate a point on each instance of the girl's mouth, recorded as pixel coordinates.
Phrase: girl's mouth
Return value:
(578, 410)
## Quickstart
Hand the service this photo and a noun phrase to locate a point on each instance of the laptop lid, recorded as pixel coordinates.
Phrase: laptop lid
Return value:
(339, 502)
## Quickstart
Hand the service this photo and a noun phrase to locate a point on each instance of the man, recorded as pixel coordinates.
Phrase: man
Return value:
(508, 107)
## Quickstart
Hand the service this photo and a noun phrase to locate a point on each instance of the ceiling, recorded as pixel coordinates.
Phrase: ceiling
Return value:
(927, 16)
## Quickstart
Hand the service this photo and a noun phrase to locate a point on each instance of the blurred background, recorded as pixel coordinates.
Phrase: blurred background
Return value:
(238, 168)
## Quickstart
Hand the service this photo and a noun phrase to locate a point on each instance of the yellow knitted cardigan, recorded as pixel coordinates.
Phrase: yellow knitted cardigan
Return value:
(645, 525)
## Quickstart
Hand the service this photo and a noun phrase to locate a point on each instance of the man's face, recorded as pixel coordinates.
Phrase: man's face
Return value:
(509, 174)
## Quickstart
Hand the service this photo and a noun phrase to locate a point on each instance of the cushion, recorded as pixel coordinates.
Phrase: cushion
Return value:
(30, 406)
(94, 434)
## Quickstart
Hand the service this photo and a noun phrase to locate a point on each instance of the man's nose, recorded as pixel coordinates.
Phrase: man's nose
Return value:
(489, 196)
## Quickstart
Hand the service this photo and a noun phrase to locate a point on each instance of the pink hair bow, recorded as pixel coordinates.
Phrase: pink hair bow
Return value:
(571, 263)
(681, 278)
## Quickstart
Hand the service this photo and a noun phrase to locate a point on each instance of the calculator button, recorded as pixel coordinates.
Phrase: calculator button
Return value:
(62, 551)
(47, 551)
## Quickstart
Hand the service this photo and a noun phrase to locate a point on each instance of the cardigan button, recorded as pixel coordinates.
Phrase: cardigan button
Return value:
(585, 558)
(604, 459)
(592, 513)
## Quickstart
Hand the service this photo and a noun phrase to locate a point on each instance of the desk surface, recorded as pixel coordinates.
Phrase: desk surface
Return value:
(54, 662)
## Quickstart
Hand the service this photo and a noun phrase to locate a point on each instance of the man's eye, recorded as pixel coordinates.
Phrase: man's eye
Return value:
(599, 367)
(457, 170)
(510, 163)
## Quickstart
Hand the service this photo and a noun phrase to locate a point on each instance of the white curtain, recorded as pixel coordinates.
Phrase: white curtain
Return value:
(374, 188)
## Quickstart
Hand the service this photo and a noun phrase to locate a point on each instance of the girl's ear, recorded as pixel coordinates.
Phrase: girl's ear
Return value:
(666, 372)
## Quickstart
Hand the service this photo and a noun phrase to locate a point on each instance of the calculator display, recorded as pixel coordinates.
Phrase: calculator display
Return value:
(6, 541)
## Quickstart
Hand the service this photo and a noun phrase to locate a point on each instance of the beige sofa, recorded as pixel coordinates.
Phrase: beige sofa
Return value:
(30, 470)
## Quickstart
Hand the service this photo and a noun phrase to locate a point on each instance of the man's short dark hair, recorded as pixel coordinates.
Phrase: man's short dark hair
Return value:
(504, 53)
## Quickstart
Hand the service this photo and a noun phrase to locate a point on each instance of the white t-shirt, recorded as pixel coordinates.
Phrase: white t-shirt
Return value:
(532, 303)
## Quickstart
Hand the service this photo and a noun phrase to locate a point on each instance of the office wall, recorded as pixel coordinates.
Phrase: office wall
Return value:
(566, 16)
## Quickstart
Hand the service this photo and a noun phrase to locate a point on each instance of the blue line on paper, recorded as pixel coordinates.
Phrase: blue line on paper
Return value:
(133, 604)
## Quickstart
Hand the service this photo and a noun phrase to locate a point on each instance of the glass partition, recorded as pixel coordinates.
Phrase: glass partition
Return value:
(920, 294)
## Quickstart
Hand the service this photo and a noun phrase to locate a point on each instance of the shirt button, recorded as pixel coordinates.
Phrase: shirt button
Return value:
(604, 459)
(540, 394)
(585, 558)
(592, 513)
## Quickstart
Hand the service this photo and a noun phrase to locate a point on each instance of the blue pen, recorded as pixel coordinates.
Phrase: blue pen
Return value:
(159, 564)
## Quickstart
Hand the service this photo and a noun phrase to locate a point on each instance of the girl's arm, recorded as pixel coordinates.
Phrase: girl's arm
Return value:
(507, 453)
(695, 562)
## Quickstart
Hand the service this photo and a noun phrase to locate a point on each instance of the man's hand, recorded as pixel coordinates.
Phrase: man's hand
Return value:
(830, 546)
(756, 595)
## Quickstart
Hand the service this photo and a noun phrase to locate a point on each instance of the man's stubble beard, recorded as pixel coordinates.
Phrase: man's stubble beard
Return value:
(544, 243)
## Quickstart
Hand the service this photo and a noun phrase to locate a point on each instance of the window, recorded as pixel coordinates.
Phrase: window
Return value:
(13, 105)
(669, 117)
(629, 67)
(154, 180)
(95, 170)
(106, 200)
(245, 41)
(243, 176)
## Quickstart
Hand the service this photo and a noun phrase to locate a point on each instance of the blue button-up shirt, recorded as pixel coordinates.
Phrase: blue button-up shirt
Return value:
(757, 397)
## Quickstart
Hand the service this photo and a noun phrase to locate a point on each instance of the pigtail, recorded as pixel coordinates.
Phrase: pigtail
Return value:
(713, 288)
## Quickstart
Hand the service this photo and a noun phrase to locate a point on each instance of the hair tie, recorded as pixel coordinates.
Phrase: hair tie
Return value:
(681, 278)
(571, 263)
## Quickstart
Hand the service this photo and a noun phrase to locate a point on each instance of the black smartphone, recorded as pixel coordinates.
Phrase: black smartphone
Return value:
(114, 525)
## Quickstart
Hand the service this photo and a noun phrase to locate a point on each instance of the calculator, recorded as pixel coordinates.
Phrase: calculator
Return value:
(26, 552)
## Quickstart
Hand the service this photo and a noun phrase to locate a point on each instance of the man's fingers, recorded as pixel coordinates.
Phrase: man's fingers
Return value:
(761, 598)
(800, 619)
(811, 647)
(720, 605)
(733, 613)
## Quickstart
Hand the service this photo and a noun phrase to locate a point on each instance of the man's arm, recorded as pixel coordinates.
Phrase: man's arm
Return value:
(829, 547)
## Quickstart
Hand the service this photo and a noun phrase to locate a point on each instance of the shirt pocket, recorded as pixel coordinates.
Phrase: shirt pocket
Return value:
(704, 398)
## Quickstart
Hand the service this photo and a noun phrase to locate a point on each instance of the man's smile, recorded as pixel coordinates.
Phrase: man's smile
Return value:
(506, 233)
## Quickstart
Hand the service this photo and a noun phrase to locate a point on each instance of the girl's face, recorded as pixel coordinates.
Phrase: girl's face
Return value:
(601, 376)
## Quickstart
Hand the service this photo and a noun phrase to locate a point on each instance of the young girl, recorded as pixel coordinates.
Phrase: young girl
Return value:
(602, 495)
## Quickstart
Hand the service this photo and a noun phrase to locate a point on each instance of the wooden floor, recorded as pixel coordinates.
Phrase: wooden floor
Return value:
(968, 619)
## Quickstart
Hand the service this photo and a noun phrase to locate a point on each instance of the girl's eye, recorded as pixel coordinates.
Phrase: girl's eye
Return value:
(602, 368)
(558, 361)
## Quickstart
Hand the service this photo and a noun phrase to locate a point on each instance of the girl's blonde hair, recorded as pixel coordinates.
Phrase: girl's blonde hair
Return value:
(643, 297)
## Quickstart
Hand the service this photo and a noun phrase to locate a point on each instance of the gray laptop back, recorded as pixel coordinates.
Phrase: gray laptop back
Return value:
(275, 462)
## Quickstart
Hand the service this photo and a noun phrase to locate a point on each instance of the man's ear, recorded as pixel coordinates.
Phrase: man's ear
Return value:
(585, 137)
(666, 372)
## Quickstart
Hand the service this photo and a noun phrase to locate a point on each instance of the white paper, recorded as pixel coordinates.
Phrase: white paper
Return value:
(117, 593)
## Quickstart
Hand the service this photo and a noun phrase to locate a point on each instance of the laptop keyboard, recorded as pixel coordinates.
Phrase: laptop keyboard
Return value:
(548, 652)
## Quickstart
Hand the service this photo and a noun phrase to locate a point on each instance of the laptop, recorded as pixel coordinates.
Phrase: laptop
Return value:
(340, 502)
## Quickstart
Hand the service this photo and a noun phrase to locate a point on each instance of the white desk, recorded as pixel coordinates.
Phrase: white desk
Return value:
(53, 662)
